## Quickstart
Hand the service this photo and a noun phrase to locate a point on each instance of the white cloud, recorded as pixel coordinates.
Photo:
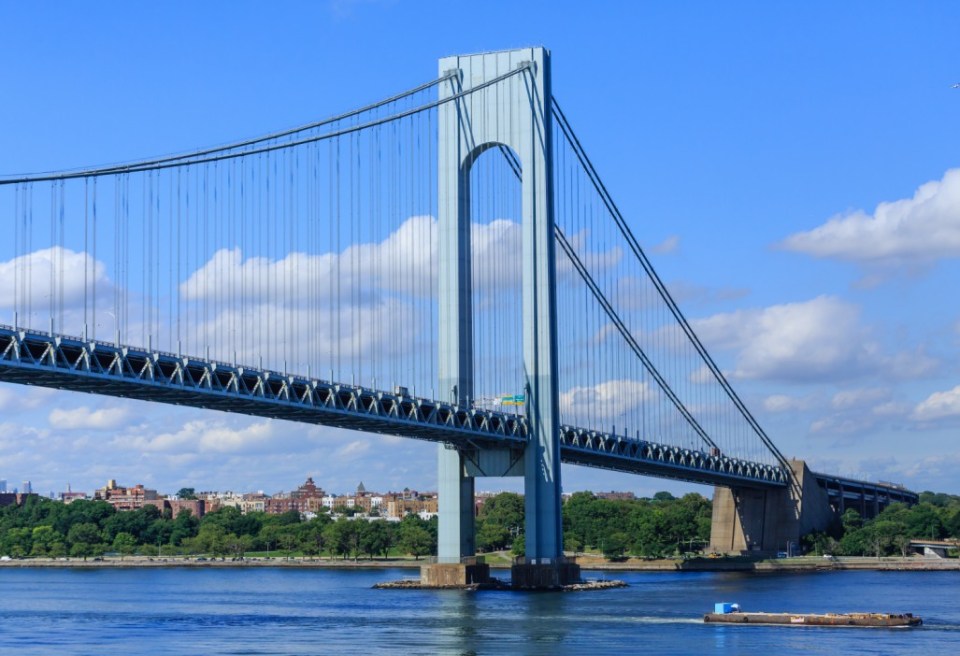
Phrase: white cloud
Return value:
(15, 398)
(608, 400)
(911, 231)
(400, 263)
(784, 403)
(702, 375)
(209, 436)
(939, 405)
(405, 262)
(817, 340)
(857, 398)
(813, 340)
(668, 245)
(891, 409)
(842, 425)
(84, 418)
(32, 273)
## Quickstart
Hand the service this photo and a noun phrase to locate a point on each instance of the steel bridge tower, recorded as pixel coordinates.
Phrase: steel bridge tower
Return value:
(515, 113)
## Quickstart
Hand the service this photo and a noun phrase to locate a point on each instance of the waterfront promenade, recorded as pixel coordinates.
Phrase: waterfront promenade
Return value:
(587, 563)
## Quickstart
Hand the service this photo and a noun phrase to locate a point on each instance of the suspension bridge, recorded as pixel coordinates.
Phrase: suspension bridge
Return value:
(445, 264)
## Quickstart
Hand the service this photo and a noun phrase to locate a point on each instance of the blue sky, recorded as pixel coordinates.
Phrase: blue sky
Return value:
(774, 155)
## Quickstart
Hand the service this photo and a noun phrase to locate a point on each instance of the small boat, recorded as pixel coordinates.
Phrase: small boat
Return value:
(726, 613)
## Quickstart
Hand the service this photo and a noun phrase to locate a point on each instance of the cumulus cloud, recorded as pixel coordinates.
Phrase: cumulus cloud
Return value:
(85, 418)
(911, 231)
(57, 278)
(608, 400)
(858, 398)
(668, 245)
(20, 398)
(402, 262)
(939, 405)
(842, 425)
(812, 340)
(46, 273)
(784, 403)
(210, 436)
(818, 340)
(405, 262)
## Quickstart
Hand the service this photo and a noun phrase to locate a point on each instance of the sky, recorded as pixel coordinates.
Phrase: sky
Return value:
(793, 172)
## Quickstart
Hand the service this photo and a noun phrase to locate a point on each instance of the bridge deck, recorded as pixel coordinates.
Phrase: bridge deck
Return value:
(75, 364)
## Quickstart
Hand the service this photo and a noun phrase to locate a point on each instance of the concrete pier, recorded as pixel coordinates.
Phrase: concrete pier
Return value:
(545, 574)
(768, 521)
(470, 571)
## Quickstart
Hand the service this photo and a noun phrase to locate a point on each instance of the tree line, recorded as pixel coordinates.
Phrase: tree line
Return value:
(655, 527)
(649, 527)
(46, 528)
(935, 517)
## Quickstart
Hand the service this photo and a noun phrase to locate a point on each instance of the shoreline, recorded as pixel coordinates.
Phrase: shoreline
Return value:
(587, 563)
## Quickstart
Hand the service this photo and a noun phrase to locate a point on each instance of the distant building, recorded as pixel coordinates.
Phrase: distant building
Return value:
(27, 487)
(309, 490)
(3, 486)
(125, 498)
(616, 496)
(70, 497)
(13, 498)
(400, 505)
(308, 498)
(197, 507)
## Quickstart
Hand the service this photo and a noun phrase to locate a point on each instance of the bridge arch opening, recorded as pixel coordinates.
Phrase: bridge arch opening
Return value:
(491, 178)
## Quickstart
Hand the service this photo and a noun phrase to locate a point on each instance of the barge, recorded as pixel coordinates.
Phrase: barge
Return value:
(731, 614)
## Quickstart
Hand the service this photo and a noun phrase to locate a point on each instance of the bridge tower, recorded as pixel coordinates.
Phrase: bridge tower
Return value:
(515, 113)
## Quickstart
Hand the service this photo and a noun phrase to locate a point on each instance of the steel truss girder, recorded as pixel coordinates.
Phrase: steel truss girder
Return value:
(853, 490)
(70, 363)
(587, 447)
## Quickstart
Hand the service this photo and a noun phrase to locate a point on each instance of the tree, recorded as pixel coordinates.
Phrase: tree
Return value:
(289, 538)
(851, 520)
(312, 540)
(84, 539)
(212, 539)
(43, 538)
(183, 526)
(500, 521)
(238, 545)
(519, 547)
(341, 537)
(615, 545)
(18, 542)
(375, 538)
(187, 493)
(818, 542)
(415, 538)
(125, 543)
(923, 521)
(491, 536)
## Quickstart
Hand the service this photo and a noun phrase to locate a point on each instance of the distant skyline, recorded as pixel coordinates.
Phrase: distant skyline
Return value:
(792, 171)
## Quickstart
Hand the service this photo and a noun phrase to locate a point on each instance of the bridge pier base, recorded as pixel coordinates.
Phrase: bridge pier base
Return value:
(543, 575)
(764, 522)
(471, 571)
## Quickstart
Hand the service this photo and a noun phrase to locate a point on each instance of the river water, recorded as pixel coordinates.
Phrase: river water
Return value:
(334, 611)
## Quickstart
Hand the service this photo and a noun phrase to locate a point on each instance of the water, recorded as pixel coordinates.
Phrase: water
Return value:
(330, 611)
